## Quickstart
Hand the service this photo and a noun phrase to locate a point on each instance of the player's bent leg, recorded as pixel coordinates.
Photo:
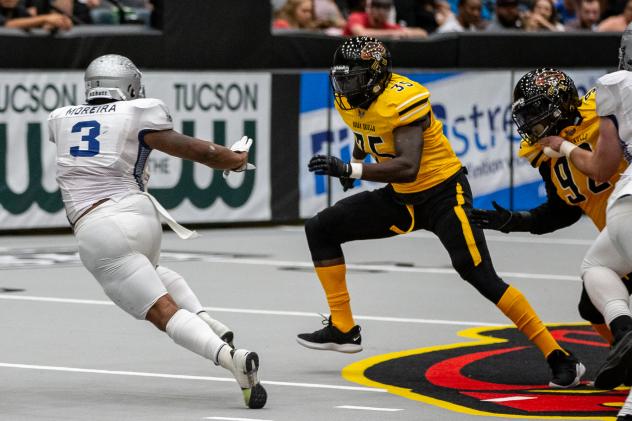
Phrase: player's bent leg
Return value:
(161, 312)
(566, 369)
(366, 215)
(619, 229)
(602, 268)
(340, 332)
(185, 298)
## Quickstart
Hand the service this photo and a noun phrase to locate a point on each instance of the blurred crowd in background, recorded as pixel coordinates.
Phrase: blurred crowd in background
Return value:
(56, 15)
(400, 19)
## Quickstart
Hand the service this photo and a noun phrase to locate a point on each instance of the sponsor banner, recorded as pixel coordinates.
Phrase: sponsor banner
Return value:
(475, 108)
(217, 106)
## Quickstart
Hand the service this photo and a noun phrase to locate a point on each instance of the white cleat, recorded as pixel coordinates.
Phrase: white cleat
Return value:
(245, 367)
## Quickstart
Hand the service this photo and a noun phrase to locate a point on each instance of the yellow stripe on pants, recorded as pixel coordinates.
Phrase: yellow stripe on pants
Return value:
(465, 226)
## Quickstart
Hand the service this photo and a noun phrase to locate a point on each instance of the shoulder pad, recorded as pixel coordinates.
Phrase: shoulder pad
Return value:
(613, 78)
(58, 112)
(609, 88)
(146, 103)
(408, 99)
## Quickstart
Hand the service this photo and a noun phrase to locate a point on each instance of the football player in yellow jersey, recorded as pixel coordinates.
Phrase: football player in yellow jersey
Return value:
(546, 103)
(392, 120)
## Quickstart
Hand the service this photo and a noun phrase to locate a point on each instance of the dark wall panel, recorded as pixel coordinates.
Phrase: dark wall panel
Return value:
(284, 153)
(530, 50)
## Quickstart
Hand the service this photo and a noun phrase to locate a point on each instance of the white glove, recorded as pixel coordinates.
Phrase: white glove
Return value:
(242, 145)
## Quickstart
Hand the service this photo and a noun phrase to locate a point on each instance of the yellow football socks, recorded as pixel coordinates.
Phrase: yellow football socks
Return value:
(515, 306)
(332, 278)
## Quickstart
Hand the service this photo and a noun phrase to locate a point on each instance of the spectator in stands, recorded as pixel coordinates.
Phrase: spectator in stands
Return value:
(15, 15)
(295, 14)
(374, 23)
(617, 23)
(355, 6)
(565, 10)
(78, 9)
(428, 15)
(328, 11)
(467, 19)
(542, 17)
(507, 17)
(587, 16)
(329, 17)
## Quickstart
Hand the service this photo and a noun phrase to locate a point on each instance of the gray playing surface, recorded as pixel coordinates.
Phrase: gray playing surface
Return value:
(67, 353)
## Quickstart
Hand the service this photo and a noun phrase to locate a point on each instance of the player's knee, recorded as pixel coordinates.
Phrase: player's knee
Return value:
(588, 311)
(162, 311)
(313, 227)
(484, 278)
(322, 245)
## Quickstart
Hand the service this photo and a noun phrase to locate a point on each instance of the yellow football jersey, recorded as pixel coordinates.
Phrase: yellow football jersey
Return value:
(403, 102)
(571, 185)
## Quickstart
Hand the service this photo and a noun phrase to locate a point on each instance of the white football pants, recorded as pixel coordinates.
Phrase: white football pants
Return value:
(608, 260)
(119, 243)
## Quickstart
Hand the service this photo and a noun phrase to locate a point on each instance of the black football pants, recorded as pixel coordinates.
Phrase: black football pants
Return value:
(382, 213)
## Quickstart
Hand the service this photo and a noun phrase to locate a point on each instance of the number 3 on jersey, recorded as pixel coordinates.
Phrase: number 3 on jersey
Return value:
(94, 129)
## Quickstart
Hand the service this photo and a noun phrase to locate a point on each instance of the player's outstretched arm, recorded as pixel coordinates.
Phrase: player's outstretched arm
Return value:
(550, 216)
(599, 165)
(187, 147)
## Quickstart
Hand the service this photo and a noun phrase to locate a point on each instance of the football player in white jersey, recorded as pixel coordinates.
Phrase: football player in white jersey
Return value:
(610, 257)
(102, 151)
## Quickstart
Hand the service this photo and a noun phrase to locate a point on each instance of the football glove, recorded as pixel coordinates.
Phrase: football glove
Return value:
(242, 145)
(498, 219)
(347, 183)
(329, 165)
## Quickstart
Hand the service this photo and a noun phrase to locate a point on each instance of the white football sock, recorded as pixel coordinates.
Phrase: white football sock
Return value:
(179, 290)
(189, 331)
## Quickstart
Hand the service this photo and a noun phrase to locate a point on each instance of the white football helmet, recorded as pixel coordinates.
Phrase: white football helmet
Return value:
(113, 77)
(625, 50)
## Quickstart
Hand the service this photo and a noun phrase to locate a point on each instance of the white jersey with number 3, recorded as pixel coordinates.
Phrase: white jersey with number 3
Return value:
(100, 149)
(614, 98)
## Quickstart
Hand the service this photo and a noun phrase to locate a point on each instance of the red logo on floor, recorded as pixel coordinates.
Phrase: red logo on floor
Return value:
(501, 373)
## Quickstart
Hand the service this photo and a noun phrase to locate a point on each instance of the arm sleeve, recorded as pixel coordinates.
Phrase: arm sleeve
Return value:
(550, 216)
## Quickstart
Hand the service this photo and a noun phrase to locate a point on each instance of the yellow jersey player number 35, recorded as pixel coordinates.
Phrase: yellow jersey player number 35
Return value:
(427, 188)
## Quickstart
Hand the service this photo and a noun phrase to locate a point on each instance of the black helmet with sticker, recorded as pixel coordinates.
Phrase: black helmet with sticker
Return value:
(360, 72)
(545, 101)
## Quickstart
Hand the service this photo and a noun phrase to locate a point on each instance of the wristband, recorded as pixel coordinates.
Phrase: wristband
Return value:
(356, 170)
(551, 153)
(356, 160)
(566, 148)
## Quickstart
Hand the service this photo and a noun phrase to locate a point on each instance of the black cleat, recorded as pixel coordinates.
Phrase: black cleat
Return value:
(331, 339)
(624, 417)
(567, 370)
(613, 372)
